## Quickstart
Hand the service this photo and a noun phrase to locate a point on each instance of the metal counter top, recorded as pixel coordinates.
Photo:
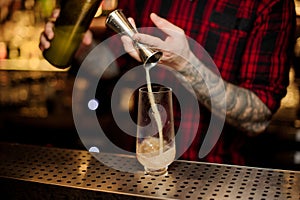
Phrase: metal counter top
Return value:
(33, 172)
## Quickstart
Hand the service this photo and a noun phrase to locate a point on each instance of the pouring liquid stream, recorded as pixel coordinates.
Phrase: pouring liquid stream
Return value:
(154, 108)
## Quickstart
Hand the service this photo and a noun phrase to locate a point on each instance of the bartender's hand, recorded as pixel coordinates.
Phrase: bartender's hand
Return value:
(47, 35)
(175, 47)
(244, 109)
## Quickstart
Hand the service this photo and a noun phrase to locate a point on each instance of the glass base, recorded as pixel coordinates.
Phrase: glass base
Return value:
(156, 172)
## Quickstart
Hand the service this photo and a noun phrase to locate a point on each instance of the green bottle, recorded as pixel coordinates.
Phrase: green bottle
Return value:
(74, 20)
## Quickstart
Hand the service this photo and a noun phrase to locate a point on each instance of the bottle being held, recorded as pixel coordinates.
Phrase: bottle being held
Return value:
(74, 19)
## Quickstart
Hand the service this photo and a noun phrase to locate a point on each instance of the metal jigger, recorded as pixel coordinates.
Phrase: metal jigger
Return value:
(117, 21)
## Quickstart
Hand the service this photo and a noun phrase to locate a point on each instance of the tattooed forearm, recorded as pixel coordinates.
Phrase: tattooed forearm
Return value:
(243, 109)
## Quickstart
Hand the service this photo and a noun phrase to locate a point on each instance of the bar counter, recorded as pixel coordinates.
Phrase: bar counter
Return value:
(38, 172)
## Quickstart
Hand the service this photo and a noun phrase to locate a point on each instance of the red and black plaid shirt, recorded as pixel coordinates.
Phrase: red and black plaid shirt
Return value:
(249, 41)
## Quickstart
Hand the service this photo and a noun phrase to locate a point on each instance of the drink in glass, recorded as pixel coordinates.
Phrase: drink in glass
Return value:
(155, 148)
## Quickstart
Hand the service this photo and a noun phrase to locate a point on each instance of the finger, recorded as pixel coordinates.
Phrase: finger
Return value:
(164, 25)
(132, 22)
(87, 38)
(129, 48)
(54, 15)
(44, 43)
(50, 24)
(55, 12)
(149, 40)
(48, 32)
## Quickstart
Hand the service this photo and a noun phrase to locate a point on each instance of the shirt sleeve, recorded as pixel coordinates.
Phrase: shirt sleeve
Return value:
(267, 57)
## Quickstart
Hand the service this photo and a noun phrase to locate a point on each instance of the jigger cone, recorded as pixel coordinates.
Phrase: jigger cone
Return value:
(117, 21)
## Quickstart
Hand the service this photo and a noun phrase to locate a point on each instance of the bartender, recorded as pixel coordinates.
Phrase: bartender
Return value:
(251, 44)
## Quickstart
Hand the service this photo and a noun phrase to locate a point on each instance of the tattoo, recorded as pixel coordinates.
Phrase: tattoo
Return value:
(243, 109)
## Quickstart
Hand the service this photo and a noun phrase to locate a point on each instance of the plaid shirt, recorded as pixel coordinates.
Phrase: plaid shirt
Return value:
(250, 42)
